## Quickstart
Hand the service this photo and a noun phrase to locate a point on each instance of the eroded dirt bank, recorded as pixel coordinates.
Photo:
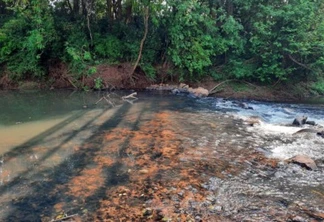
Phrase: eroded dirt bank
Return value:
(113, 77)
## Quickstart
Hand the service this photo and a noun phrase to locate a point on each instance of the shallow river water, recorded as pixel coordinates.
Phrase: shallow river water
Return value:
(159, 158)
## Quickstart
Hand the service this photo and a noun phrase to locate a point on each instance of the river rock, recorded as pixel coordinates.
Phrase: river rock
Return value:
(311, 123)
(183, 86)
(304, 161)
(175, 91)
(320, 133)
(244, 106)
(199, 92)
(253, 120)
(300, 120)
(143, 171)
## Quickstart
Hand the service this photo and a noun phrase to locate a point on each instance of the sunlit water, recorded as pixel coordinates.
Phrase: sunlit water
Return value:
(181, 157)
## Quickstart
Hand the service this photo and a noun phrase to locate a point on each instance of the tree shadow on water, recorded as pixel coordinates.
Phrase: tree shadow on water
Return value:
(48, 186)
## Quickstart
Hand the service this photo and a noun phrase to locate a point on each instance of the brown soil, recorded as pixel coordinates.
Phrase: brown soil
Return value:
(118, 77)
(112, 76)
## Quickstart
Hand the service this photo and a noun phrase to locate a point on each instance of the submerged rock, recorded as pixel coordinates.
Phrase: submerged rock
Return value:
(303, 161)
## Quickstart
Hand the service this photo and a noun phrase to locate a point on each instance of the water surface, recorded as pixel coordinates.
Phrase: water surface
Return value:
(161, 157)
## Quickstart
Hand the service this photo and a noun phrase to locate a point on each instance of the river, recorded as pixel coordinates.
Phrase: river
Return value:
(70, 156)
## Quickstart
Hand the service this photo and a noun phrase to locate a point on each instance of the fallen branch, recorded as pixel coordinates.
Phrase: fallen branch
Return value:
(212, 90)
(64, 218)
(70, 81)
(108, 100)
(130, 96)
(130, 101)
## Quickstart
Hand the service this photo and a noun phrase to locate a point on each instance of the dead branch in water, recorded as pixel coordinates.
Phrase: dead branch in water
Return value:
(108, 100)
(64, 218)
(130, 96)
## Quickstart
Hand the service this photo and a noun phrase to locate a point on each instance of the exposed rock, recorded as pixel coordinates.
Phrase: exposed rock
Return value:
(147, 212)
(306, 131)
(304, 161)
(253, 120)
(244, 106)
(300, 120)
(143, 171)
(311, 123)
(183, 86)
(199, 92)
(320, 133)
(175, 91)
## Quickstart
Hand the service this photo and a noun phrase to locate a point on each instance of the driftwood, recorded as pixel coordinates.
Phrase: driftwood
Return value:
(64, 218)
(212, 91)
(129, 98)
(107, 98)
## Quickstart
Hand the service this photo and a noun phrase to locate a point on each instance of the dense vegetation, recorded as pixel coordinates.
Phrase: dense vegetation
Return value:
(255, 40)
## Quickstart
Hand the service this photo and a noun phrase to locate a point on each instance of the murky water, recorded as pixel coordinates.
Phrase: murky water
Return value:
(161, 157)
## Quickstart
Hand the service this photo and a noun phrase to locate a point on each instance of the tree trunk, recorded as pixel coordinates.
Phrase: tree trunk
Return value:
(129, 11)
(109, 10)
(119, 10)
(146, 17)
(76, 7)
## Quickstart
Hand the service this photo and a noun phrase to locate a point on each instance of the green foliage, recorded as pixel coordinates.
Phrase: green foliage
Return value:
(190, 46)
(80, 61)
(98, 83)
(240, 69)
(318, 86)
(281, 37)
(149, 70)
(25, 39)
(254, 40)
(109, 47)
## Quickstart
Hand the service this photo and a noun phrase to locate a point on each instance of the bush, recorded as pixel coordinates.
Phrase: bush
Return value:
(109, 47)
(318, 86)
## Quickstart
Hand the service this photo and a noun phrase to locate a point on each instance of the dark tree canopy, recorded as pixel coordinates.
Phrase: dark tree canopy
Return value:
(263, 41)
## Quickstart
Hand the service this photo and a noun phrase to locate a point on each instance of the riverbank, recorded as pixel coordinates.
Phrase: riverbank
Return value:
(111, 77)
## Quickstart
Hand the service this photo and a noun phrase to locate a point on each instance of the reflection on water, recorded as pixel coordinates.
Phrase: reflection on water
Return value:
(164, 158)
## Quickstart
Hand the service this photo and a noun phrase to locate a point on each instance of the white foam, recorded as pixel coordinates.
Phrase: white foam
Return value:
(283, 144)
